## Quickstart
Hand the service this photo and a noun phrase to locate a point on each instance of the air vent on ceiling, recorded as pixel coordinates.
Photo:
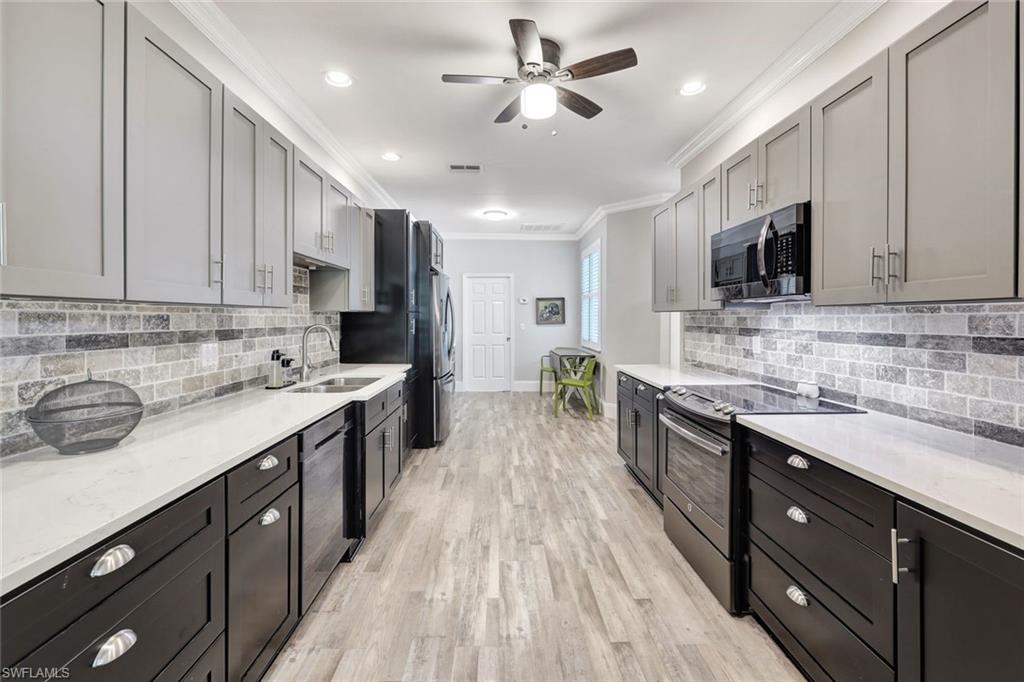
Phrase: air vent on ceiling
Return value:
(465, 167)
(537, 227)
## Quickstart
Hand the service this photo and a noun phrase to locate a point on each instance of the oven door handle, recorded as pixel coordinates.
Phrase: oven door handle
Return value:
(685, 433)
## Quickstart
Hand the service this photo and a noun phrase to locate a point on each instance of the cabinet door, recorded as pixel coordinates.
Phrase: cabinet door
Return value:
(848, 187)
(709, 222)
(646, 434)
(952, 144)
(626, 433)
(367, 293)
(739, 184)
(62, 136)
(685, 295)
(173, 171)
(373, 446)
(277, 217)
(663, 257)
(310, 191)
(960, 603)
(392, 449)
(263, 586)
(245, 271)
(337, 239)
(784, 163)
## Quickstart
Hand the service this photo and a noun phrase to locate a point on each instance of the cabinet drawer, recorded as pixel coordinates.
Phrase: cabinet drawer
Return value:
(374, 411)
(185, 529)
(859, 582)
(626, 383)
(857, 507)
(173, 611)
(396, 395)
(211, 666)
(832, 644)
(254, 484)
(644, 393)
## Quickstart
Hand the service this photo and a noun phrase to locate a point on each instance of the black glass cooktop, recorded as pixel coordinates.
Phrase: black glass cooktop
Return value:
(727, 399)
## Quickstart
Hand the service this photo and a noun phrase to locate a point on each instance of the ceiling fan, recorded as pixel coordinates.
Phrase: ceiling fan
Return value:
(539, 69)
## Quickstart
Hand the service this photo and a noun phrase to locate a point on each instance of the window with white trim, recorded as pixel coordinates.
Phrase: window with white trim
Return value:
(590, 297)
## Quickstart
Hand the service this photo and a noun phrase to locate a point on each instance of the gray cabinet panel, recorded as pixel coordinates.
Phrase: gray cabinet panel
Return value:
(952, 117)
(62, 135)
(245, 272)
(310, 184)
(173, 171)
(848, 170)
(338, 206)
(277, 217)
(739, 182)
(709, 209)
(361, 272)
(663, 278)
(686, 295)
(784, 163)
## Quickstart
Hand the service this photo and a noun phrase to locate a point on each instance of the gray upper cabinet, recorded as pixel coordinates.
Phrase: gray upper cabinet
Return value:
(173, 171)
(310, 192)
(663, 275)
(361, 290)
(709, 209)
(739, 186)
(62, 136)
(245, 271)
(848, 178)
(338, 206)
(685, 294)
(952, 146)
(784, 163)
(277, 217)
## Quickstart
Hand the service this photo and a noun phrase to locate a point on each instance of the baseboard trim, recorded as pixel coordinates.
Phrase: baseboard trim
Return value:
(526, 386)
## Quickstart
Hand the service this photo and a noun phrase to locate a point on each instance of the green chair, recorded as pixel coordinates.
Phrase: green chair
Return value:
(585, 384)
(546, 369)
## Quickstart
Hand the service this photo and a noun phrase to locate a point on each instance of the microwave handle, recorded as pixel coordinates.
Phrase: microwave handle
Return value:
(702, 443)
(762, 239)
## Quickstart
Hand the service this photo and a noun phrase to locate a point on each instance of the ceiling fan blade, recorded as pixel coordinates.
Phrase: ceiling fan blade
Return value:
(598, 66)
(477, 80)
(577, 103)
(524, 32)
(509, 112)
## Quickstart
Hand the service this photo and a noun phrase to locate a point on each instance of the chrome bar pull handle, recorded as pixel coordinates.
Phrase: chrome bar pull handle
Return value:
(116, 646)
(758, 201)
(891, 272)
(3, 233)
(268, 462)
(798, 462)
(895, 541)
(270, 277)
(872, 277)
(220, 264)
(111, 560)
(750, 193)
(269, 517)
(256, 277)
(797, 596)
(797, 514)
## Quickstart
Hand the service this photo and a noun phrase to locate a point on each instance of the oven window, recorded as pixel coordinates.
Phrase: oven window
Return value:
(699, 471)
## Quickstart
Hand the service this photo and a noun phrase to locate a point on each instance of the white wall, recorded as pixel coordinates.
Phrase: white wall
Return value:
(539, 269)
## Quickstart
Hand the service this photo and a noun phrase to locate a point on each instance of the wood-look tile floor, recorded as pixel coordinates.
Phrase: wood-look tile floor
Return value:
(522, 550)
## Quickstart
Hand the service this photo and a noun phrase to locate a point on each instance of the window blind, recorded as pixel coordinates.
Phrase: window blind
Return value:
(590, 297)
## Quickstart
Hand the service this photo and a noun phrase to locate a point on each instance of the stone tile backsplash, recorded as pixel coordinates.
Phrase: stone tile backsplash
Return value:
(960, 367)
(158, 350)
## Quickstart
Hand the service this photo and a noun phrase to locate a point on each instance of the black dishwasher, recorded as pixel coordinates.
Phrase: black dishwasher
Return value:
(326, 461)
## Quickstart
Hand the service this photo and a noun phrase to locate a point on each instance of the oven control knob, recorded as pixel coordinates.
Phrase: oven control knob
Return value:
(728, 409)
(680, 391)
(718, 406)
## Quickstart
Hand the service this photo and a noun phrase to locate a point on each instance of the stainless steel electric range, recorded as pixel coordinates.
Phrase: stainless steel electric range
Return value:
(701, 475)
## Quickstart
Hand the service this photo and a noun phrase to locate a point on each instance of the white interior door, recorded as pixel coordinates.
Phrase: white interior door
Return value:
(488, 361)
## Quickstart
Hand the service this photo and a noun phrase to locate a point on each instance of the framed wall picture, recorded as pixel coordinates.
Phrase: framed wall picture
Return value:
(551, 310)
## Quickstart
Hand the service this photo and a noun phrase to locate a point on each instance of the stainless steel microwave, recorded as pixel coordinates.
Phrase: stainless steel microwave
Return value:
(763, 260)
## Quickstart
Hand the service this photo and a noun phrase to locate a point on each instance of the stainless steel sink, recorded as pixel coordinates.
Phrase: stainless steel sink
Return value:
(357, 382)
(319, 388)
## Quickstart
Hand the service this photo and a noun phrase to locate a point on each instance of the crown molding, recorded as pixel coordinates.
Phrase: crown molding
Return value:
(226, 37)
(510, 236)
(826, 32)
(605, 210)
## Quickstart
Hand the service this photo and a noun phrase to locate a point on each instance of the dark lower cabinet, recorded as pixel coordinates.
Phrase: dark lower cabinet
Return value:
(263, 586)
(392, 449)
(383, 450)
(625, 433)
(637, 431)
(210, 666)
(646, 428)
(960, 603)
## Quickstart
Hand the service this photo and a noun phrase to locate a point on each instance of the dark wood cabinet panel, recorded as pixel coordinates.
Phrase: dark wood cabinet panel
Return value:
(373, 465)
(960, 601)
(263, 586)
(625, 435)
(211, 666)
(646, 428)
(251, 486)
(392, 449)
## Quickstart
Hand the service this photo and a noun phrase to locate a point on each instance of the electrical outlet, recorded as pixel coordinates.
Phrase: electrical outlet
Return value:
(755, 344)
(208, 357)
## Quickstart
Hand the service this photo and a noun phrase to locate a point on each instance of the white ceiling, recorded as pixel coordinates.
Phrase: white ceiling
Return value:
(396, 52)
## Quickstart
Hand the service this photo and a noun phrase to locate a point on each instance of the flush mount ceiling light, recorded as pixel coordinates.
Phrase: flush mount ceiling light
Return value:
(553, 133)
(495, 214)
(390, 156)
(338, 79)
(538, 101)
(692, 88)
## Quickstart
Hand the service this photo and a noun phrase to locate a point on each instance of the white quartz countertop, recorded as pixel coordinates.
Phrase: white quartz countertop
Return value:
(54, 506)
(976, 481)
(664, 376)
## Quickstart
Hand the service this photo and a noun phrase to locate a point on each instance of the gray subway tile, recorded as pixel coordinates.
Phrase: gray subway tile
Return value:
(96, 341)
(34, 322)
(992, 325)
(880, 405)
(926, 378)
(31, 391)
(85, 322)
(946, 421)
(998, 346)
(999, 432)
(939, 342)
(154, 338)
(61, 364)
(947, 361)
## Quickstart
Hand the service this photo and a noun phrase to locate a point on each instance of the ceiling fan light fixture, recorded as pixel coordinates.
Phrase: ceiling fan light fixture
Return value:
(691, 88)
(538, 101)
(495, 214)
(338, 79)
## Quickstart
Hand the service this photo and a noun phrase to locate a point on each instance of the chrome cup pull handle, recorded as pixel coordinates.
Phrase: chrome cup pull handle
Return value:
(115, 647)
(111, 560)
(796, 595)
(797, 514)
(268, 462)
(798, 462)
(269, 517)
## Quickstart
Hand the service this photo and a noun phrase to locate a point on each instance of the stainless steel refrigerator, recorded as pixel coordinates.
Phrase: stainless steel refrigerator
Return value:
(443, 345)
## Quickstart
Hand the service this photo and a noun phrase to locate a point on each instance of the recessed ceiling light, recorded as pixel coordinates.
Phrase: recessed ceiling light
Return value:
(553, 133)
(338, 79)
(495, 214)
(390, 156)
(692, 88)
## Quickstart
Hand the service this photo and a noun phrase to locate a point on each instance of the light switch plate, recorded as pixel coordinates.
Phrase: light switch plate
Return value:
(208, 357)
